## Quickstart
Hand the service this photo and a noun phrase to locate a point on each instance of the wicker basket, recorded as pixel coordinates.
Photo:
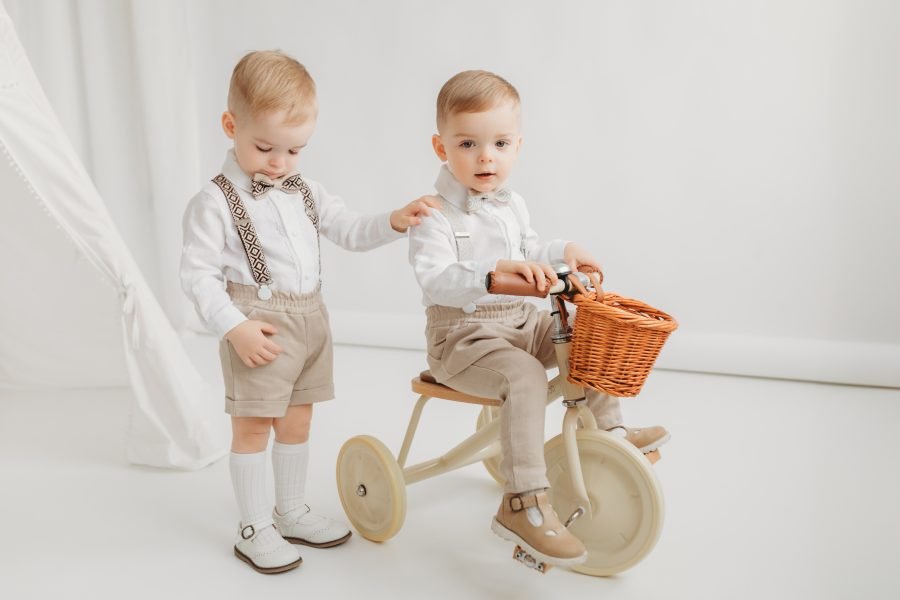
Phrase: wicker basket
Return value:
(615, 343)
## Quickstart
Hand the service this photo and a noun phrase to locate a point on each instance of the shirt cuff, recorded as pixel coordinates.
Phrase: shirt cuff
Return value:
(482, 268)
(225, 320)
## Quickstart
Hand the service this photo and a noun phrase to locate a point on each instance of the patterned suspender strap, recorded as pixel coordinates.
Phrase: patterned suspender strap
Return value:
(460, 235)
(255, 255)
(310, 206)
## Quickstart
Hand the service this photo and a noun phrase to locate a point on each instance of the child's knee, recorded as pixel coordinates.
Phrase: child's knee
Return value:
(293, 427)
(250, 434)
(529, 375)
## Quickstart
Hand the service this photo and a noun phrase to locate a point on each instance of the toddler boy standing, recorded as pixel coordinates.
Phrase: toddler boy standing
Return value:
(251, 266)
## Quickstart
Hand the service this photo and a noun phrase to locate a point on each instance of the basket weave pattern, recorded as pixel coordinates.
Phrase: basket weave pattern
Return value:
(615, 342)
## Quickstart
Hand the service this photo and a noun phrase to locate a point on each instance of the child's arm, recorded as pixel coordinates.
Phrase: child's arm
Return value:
(358, 232)
(444, 280)
(202, 276)
(413, 213)
(203, 281)
(448, 281)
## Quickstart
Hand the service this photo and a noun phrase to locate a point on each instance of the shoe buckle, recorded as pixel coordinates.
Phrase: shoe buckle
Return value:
(244, 533)
(520, 502)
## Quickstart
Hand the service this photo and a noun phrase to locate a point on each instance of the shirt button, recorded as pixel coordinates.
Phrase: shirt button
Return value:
(469, 308)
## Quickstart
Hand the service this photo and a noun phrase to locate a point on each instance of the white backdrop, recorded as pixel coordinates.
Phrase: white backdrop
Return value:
(733, 163)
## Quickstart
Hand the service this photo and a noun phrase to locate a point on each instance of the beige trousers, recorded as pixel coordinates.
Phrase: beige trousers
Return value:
(503, 351)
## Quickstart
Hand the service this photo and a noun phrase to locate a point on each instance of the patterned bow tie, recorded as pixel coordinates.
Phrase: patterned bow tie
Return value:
(289, 184)
(476, 201)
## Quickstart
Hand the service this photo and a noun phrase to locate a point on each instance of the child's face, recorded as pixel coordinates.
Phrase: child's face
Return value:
(480, 148)
(265, 143)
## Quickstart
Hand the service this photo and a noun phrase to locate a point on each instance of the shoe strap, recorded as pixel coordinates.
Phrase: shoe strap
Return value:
(521, 502)
(250, 530)
(294, 513)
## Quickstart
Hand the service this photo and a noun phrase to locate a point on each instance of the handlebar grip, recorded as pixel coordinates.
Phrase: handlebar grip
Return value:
(513, 284)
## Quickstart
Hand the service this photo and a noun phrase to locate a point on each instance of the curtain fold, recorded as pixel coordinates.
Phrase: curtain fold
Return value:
(120, 77)
(173, 414)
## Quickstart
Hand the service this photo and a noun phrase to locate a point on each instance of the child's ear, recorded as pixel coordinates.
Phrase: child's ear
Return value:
(228, 124)
(438, 146)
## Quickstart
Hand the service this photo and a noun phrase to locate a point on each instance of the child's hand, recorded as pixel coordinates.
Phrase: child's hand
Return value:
(531, 271)
(411, 214)
(251, 344)
(575, 256)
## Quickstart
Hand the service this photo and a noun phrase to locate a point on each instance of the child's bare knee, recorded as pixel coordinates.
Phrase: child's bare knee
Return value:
(293, 427)
(250, 434)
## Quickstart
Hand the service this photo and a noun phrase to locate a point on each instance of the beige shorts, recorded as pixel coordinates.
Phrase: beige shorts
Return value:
(301, 374)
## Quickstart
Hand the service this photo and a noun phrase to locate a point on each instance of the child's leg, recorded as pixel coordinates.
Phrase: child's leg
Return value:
(290, 459)
(607, 409)
(259, 545)
(250, 435)
(525, 515)
(608, 415)
(489, 353)
(520, 381)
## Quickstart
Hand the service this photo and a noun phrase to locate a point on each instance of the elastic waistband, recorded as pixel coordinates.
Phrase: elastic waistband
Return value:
(495, 311)
(246, 295)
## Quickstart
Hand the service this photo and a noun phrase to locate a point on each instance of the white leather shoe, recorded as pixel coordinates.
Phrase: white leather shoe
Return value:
(261, 547)
(302, 526)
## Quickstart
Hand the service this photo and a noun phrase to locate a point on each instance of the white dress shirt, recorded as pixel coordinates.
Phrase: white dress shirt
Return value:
(213, 252)
(495, 233)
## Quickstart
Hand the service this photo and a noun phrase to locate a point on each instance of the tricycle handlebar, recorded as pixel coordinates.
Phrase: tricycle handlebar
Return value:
(514, 284)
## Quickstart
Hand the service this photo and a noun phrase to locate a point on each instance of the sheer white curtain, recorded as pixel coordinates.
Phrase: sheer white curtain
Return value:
(56, 320)
(119, 76)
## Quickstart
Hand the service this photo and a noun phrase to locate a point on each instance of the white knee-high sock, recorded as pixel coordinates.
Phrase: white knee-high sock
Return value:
(248, 477)
(289, 464)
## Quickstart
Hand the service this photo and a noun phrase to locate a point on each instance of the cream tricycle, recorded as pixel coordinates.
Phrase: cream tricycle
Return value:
(603, 484)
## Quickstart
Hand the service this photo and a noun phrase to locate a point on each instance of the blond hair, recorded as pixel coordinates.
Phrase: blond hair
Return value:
(473, 91)
(270, 80)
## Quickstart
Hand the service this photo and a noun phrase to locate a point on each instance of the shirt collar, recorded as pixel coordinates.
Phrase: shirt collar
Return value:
(449, 187)
(232, 170)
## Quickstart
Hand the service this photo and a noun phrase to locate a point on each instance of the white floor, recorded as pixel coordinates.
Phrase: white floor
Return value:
(774, 489)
